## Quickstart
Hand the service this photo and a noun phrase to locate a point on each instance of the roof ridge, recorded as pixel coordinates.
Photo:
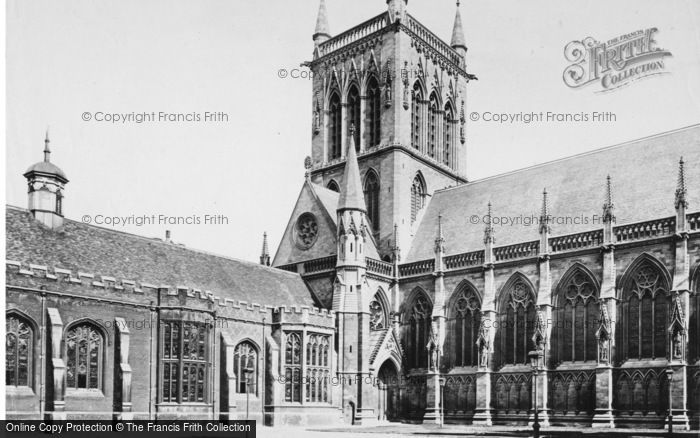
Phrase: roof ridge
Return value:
(570, 157)
(169, 245)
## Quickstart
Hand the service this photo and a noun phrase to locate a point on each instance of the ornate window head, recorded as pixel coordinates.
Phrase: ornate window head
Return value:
(579, 288)
(19, 341)
(306, 231)
(520, 295)
(647, 281)
(377, 315)
(421, 308)
(467, 302)
(83, 350)
(332, 185)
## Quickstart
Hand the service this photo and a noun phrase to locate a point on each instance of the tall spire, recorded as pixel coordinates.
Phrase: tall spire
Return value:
(458, 41)
(322, 32)
(265, 256)
(47, 148)
(681, 189)
(351, 194)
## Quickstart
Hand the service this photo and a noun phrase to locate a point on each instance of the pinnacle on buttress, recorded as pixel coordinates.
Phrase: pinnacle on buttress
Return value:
(440, 238)
(351, 194)
(458, 41)
(265, 255)
(609, 206)
(322, 32)
(681, 189)
(396, 249)
(489, 234)
(544, 215)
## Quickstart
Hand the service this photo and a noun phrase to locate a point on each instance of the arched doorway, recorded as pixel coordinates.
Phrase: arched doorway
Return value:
(388, 396)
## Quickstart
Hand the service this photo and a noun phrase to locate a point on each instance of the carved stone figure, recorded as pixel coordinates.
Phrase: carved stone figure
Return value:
(433, 358)
(483, 355)
(604, 349)
(677, 345)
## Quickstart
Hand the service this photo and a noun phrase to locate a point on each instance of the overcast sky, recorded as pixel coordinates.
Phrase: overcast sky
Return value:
(70, 57)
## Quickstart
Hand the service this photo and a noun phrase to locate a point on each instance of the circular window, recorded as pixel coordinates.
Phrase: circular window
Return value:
(307, 231)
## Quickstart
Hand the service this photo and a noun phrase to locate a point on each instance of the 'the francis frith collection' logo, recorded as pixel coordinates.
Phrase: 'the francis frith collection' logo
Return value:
(615, 63)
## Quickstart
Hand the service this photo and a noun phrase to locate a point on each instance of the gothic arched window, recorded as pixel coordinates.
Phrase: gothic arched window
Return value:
(517, 323)
(374, 112)
(644, 314)
(418, 331)
(245, 367)
(292, 368)
(417, 197)
(465, 321)
(576, 318)
(185, 358)
(416, 116)
(83, 349)
(332, 185)
(335, 127)
(447, 123)
(354, 114)
(433, 125)
(372, 199)
(19, 340)
(378, 318)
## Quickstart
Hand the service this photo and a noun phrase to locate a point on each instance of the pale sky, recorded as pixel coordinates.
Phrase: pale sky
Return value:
(68, 57)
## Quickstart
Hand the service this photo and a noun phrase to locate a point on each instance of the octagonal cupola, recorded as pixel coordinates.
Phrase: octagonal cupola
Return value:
(46, 189)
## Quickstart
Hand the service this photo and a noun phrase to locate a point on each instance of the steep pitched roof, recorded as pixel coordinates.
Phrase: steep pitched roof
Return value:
(329, 199)
(101, 251)
(351, 194)
(644, 174)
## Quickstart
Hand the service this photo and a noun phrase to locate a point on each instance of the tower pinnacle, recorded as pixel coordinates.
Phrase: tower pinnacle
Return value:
(458, 41)
(322, 32)
(47, 148)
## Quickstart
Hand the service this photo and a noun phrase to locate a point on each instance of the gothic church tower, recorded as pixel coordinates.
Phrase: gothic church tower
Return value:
(404, 90)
